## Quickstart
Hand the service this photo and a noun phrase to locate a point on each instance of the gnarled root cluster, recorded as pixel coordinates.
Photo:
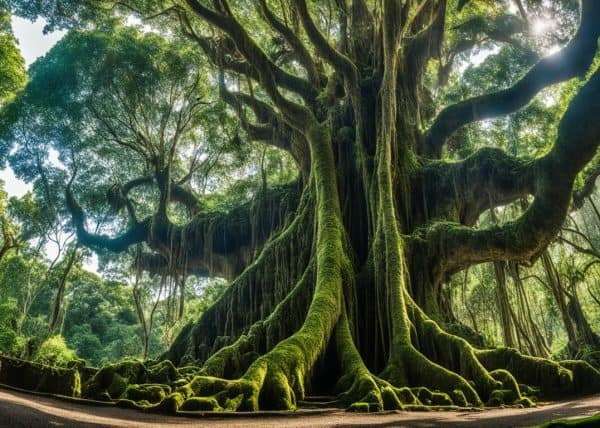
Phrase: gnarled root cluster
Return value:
(436, 369)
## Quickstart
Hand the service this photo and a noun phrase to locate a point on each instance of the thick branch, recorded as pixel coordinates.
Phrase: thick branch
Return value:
(524, 239)
(269, 74)
(294, 41)
(224, 54)
(590, 175)
(572, 61)
(339, 61)
(138, 231)
(465, 189)
(270, 121)
(118, 196)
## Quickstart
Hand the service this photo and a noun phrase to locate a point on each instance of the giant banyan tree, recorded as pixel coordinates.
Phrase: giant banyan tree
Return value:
(337, 279)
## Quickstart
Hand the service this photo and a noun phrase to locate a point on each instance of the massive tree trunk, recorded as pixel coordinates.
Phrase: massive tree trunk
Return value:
(344, 298)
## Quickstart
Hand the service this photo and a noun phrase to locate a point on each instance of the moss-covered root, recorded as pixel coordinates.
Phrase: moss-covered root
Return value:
(415, 369)
(111, 381)
(586, 378)
(232, 361)
(552, 379)
(358, 388)
(275, 381)
(450, 351)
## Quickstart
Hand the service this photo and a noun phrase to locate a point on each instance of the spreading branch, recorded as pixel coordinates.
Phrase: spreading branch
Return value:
(465, 189)
(338, 60)
(294, 41)
(136, 233)
(525, 238)
(573, 60)
(268, 73)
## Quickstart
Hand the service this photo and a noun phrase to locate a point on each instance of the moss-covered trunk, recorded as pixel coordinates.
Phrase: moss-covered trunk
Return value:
(341, 303)
(345, 298)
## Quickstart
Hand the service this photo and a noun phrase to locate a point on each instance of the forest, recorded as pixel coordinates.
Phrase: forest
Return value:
(243, 205)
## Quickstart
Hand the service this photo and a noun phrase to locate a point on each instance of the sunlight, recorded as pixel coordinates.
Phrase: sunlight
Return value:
(540, 26)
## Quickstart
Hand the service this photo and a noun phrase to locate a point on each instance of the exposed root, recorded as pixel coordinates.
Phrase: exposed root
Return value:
(552, 379)
(415, 369)
(232, 361)
(450, 351)
(359, 389)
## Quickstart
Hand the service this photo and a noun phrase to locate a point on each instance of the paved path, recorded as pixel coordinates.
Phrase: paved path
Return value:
(20, 410)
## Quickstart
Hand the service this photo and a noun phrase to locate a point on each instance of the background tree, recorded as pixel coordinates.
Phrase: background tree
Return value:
(12, 65)
(385, 215)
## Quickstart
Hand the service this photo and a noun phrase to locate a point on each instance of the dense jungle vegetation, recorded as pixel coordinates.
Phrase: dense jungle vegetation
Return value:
(390, 203)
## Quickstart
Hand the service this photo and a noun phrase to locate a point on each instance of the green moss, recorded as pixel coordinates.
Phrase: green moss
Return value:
(113, 379)
(525, 402)
(552, 379)
(406, 395)
(163, 372)
(171, 403)
(39, 377)
(512, 392)
(153, 393)
(359, 407)
(496, 398)
(117, 386)
(441, 399)
(586, 378)
(589, 422)
(276, 392)
(424, 395)
(233, 404)
(454, 354)
(201, 404)
(459, 398)
(528, 391)
(390, 399)
(131, 404)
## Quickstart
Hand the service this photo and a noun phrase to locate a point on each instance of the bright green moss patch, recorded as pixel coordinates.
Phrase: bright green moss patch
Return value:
(153, 393)
(201, 404)
(359, 407)
(459, 398)
(589, 422)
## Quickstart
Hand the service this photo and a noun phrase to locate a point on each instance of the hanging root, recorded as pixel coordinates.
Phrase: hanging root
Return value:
(232, 361)
(258, 291)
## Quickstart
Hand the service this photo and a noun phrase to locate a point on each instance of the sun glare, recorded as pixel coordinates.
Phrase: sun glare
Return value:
(540, 25)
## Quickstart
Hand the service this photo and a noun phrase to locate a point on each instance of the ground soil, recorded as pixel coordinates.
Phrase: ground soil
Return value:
(20, 410)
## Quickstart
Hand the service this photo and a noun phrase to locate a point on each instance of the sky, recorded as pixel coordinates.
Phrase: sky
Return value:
(33, 44)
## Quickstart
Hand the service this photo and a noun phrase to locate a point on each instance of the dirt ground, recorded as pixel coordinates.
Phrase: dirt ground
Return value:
(20, 410)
